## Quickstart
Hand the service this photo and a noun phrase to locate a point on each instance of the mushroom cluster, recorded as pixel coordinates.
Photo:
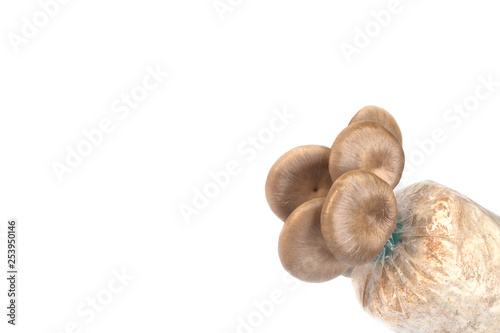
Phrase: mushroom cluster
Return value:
(338, 203)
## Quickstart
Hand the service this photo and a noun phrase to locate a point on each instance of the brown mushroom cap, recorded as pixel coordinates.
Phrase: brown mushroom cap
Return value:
(381, 116)
(302, 249)
(359, 215)
(368, 146)
(298, 176)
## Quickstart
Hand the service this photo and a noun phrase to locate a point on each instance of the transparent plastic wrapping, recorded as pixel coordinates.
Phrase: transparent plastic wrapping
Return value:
(443, 275)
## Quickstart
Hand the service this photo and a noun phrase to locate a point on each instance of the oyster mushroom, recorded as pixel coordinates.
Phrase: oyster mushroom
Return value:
(368, 146)
(381, 116)
(302, 249)
(298, 176)
(359, 215)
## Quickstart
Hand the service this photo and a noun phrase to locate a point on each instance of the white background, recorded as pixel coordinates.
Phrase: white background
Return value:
(119, 209)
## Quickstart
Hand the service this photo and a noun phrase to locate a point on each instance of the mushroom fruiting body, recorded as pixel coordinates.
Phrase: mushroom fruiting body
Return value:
(358, 217)
(367, 146)
(302, 249)
(298, 176)
(381, 116)
(337, 203)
